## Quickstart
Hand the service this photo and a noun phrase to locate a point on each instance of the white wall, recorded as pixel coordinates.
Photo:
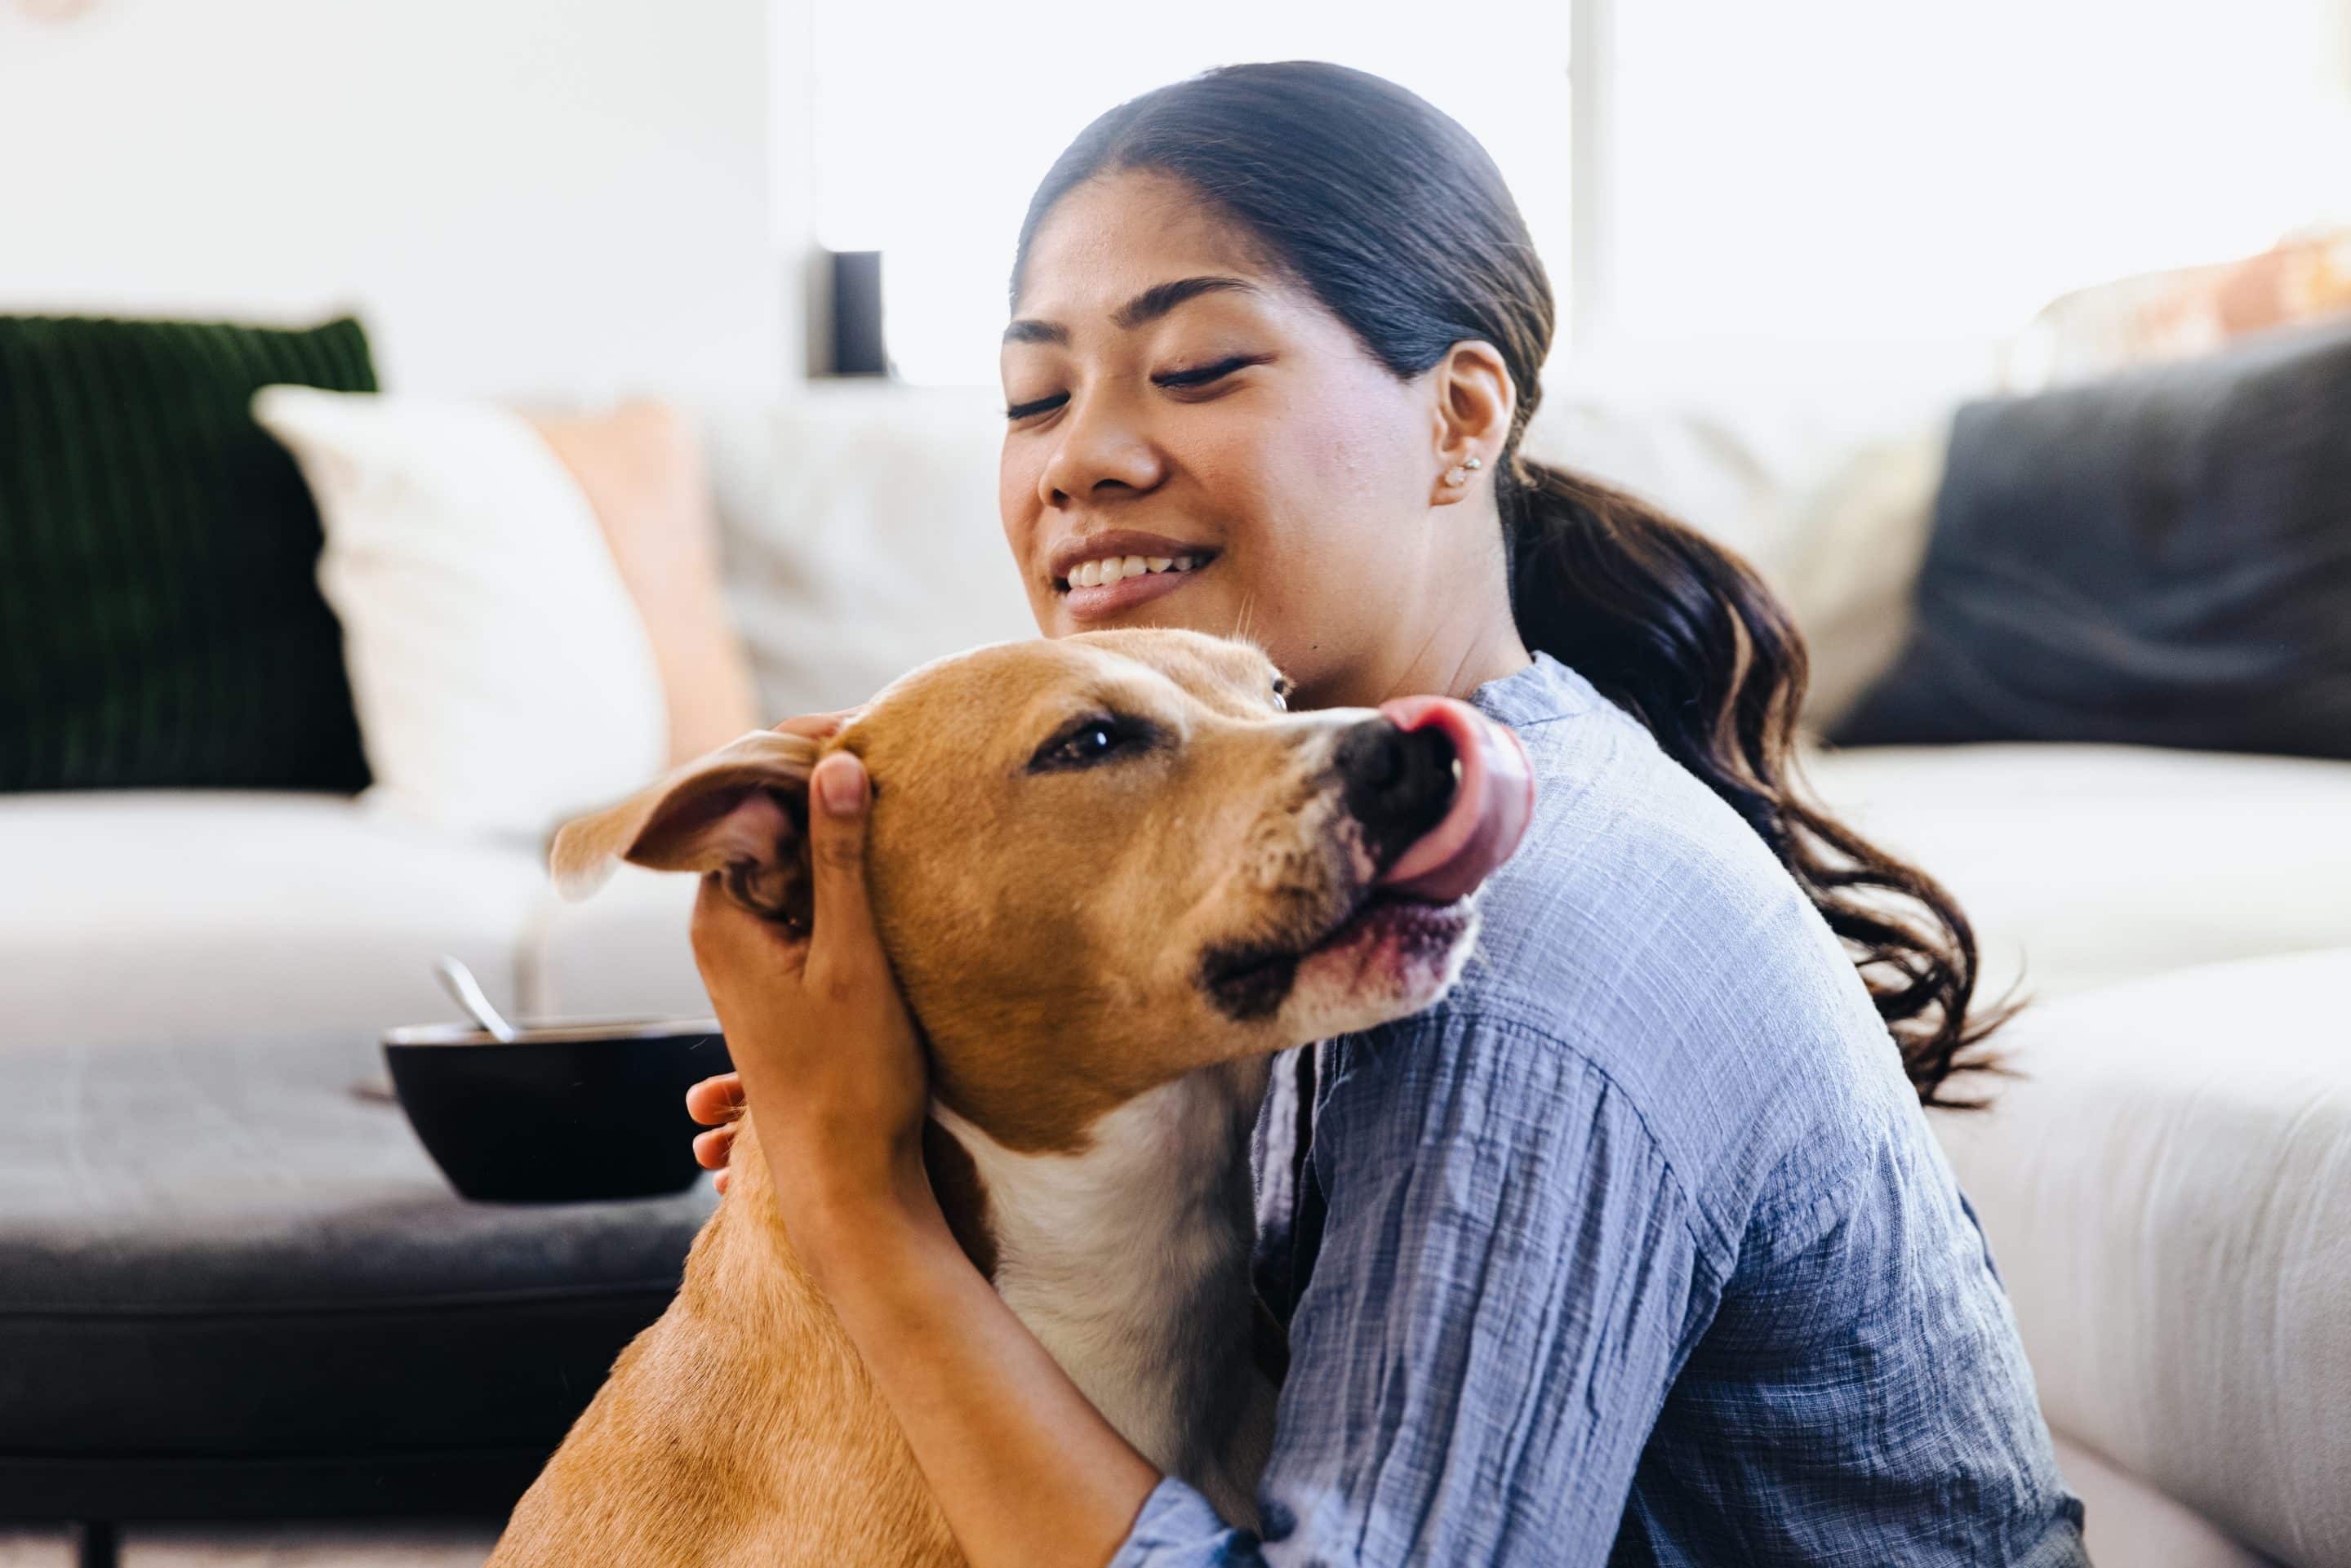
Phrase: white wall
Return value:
(563, 200)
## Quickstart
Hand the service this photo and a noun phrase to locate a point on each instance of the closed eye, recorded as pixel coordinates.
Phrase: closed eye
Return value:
(1092, 741)
(1020, 411)
(1179, 381)
(1208, 373)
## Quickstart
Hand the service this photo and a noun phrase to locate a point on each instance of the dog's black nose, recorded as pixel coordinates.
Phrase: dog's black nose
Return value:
(1397, 785)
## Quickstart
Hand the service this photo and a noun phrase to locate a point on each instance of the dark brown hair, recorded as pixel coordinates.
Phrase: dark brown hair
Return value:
(1397, 221)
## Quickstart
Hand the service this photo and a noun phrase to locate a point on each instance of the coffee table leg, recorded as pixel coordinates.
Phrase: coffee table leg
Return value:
(97, 1545)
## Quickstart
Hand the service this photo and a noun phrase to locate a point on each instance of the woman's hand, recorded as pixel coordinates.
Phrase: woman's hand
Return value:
(822, 1043)
(717, 1102)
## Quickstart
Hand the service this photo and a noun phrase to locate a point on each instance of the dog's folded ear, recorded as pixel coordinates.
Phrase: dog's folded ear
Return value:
(742, 810)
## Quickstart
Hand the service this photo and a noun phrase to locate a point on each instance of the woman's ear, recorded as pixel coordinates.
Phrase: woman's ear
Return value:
(741, 812)
(1474, 401)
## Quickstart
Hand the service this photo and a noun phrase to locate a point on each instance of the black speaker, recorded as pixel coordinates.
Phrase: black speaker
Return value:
(857, 348)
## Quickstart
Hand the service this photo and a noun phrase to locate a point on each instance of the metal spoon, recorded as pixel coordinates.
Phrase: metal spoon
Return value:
(467, 992)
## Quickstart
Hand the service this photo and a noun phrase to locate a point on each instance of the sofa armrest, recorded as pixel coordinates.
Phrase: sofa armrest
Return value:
(2166, 1191)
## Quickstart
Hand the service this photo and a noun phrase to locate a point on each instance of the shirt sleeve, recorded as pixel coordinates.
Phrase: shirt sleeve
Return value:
(1508, 1281)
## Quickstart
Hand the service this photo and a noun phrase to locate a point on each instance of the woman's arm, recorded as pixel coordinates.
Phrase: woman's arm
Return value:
(1024, 1467)
(1502, 1284)
(1026, 1471)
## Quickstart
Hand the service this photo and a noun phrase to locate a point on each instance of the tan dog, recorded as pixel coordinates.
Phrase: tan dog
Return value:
(1114, 877)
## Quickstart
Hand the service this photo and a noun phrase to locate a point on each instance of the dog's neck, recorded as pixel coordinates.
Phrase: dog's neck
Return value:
(1130, 1263)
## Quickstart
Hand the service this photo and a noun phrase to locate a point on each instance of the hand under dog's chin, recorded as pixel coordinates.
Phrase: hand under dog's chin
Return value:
(1393, 959)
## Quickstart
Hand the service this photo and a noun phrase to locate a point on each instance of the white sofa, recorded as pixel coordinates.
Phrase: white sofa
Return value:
(862, 539)
(2168, 1190)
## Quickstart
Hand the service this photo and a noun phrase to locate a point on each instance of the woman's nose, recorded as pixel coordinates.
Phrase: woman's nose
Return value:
(1104, 450)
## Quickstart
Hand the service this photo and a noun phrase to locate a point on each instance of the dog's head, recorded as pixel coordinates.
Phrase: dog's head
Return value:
(1102, 862)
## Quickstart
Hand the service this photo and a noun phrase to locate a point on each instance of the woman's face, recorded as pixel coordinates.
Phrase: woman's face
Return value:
(1172, 399)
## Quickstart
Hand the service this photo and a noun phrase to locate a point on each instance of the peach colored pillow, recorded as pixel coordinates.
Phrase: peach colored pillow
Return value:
(2178, 314)
(641, 470)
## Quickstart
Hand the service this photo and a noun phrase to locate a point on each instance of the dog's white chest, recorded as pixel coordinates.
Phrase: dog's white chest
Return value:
(1129, 1262)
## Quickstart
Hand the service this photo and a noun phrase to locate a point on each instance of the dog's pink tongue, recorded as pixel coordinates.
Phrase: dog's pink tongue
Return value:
(1490, 805)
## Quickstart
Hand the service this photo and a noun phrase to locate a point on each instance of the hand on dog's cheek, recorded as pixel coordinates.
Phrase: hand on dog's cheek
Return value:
(716, 1103)
(833, 1069)
(832, 1063)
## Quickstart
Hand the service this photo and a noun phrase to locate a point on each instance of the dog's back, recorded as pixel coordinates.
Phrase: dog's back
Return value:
(740, 1431)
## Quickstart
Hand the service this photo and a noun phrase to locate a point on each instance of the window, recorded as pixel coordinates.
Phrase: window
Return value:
(1896, 188)
(1920, 179)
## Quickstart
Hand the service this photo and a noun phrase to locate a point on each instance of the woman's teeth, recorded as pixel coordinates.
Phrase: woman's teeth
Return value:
(1102, 573)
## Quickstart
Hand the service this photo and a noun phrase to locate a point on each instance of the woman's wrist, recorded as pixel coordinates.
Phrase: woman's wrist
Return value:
(853, 1239)
(848, 1206)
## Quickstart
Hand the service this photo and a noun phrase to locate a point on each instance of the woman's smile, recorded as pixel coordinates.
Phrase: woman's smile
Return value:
(1102, 575)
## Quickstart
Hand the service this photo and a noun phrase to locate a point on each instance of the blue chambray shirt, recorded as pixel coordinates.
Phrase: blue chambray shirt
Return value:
(1637, 1249)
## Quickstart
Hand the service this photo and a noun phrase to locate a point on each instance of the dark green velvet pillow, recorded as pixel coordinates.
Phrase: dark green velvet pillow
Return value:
(161, 624)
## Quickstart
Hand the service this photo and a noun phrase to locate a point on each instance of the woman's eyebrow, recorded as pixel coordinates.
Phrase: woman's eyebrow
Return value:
(1144, 309)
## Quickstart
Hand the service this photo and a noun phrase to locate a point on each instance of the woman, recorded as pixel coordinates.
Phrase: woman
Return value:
(1637, 1249)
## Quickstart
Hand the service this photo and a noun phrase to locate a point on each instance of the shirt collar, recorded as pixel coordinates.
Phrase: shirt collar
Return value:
(1544, 689)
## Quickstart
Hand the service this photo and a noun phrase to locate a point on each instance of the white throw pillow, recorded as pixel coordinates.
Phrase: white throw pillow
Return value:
(872, 541)
(503, 676)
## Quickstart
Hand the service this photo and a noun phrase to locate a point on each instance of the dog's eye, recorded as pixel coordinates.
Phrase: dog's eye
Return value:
(1092, 741)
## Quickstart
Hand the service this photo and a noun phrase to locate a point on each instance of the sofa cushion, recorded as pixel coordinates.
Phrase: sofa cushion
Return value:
(2166, 1187)
(642, 470)
(2162, 559)
(2085, 866)
(1833, 512)
(156, 556)
(862, 539)
(139, 916)
(622, 953)
(504, 676)
(231, 1283)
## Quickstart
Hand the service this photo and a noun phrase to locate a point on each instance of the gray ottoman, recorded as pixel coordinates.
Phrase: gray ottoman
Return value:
(232, 1285)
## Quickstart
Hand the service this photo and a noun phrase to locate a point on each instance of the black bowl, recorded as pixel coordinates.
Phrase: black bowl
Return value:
(569, 1111)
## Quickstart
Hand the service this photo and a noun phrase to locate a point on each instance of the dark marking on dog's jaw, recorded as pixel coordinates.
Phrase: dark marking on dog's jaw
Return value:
(963, 1197)
(1247, 984)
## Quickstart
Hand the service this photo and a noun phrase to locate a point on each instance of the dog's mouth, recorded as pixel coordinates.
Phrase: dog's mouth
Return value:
(1415, 905)
(1252, 980)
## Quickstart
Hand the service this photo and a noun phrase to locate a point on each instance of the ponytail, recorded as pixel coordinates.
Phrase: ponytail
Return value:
(1682, 634)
